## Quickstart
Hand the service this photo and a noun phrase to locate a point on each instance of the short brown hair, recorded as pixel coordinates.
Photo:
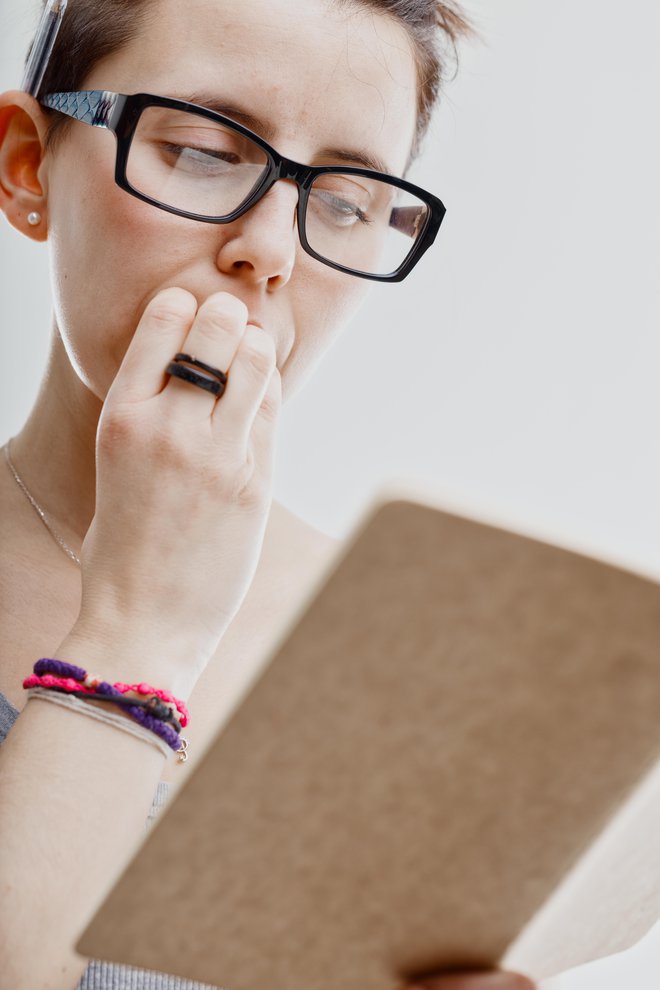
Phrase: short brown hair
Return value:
(94, 29)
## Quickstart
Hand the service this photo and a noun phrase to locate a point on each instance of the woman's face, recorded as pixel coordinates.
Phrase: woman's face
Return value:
(314, 79)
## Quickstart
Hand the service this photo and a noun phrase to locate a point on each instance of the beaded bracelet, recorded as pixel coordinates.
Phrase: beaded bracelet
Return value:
(159, 709)
(152, 705)
(62, 669)
(165, 696)
(66, 678)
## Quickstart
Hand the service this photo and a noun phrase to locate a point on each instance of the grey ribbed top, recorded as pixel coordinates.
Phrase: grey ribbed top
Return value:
(108, 976)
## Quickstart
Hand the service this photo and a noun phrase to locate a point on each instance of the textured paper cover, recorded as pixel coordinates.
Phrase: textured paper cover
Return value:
(453, 721)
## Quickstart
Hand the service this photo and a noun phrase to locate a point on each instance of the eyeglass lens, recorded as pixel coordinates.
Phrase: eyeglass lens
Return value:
(194, 164)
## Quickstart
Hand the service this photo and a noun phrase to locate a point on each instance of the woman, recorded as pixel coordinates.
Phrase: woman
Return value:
(166, 560)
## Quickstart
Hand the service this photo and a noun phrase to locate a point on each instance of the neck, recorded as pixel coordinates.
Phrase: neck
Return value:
(54, 453)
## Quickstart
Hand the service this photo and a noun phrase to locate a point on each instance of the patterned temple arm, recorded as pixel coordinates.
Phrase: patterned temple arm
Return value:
(91, 106)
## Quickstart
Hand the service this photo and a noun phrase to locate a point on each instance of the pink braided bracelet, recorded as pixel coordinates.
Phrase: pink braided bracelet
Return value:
(49, 681)
(90, 681)
(167, 696)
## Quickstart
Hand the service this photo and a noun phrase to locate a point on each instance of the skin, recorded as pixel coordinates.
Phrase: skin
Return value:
(322, 80)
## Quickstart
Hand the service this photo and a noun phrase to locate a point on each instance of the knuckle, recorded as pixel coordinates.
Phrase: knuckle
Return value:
(275, 385)
(116, 429)
(260, 351)
(230, 462)
(163, 442)
(261, 361)
(270, 407)
(211, 323)
(166, 447)
(253, 495)
(225, 310)
(234, 478)
(207, 330)
(172, 307)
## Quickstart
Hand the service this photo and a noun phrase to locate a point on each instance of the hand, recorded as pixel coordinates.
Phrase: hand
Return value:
(183, 480)
(475, 981)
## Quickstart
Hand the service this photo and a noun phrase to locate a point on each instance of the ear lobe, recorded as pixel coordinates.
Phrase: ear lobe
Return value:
(22, 149)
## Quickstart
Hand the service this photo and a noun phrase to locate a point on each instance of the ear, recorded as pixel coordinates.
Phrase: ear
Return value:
(23, 190)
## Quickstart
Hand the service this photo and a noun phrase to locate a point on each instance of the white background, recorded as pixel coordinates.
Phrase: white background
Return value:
(516, 372)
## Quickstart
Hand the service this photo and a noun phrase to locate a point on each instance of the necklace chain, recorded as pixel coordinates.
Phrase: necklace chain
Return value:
(37, 508)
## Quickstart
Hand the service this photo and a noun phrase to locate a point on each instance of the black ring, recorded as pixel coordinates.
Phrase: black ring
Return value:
(220, 375)
(188, 375)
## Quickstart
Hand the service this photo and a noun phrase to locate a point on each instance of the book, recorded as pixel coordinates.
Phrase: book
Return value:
(450, 760)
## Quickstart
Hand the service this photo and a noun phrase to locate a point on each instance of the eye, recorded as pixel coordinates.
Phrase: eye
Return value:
(208, 158)
(338, 209)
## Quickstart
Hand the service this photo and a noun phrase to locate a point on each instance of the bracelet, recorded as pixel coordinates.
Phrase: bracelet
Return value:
(154, 714)
(108, 694)
(153, 705)
(62, 669)
(165, 696)
(101, 715)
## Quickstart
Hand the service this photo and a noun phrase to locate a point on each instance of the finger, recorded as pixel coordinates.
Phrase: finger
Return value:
(164, 324)
(214, 338)
(475, 981)
(249, 377)
(264, 432)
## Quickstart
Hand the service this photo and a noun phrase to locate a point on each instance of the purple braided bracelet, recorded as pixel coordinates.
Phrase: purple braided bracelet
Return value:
(59, 668)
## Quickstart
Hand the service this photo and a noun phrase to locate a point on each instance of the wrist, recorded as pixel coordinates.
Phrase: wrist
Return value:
(130, 653)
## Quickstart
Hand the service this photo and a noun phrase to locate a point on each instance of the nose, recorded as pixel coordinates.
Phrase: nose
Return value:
(262, 244)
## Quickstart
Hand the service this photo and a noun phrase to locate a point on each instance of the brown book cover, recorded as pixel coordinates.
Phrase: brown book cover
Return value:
(444, 764)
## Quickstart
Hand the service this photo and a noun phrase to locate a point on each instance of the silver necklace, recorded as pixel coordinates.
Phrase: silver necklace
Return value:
(37, 508)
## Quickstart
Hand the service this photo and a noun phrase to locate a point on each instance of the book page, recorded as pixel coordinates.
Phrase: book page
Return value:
(608, 902)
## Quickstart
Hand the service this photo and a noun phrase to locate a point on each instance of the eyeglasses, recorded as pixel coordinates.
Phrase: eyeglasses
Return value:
(199, 164)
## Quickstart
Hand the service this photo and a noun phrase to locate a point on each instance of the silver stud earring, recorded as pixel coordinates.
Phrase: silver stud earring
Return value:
(34, 219)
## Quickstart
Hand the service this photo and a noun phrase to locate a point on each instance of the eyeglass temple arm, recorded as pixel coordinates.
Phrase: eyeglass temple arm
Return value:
(43, 45)
(408, 219)
(93, 106)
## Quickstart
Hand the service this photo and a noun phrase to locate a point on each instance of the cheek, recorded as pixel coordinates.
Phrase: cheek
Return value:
(110, 254)
(327, 301)
(97, 264)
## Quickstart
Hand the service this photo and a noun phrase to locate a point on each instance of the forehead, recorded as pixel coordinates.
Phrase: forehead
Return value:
(320, 74)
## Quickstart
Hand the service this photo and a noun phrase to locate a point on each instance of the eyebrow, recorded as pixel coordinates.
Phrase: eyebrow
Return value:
(349, 156)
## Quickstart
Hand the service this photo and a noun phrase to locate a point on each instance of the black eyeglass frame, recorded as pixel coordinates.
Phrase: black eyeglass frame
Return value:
(120, 114)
